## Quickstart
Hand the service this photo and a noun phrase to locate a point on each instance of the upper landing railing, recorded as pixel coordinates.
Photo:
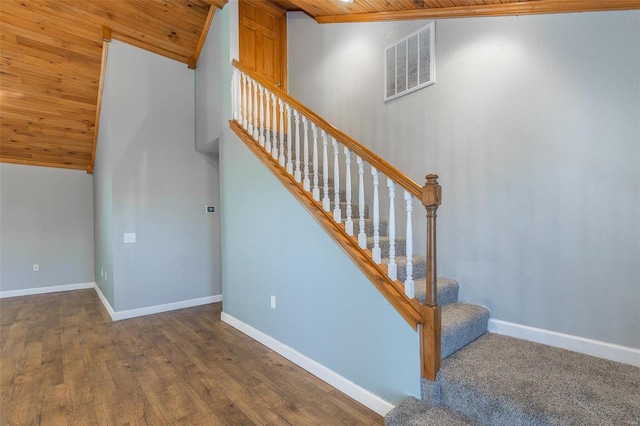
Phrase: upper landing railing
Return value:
(296, 142)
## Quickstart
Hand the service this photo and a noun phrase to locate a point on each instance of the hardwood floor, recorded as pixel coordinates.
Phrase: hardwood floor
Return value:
(62, 361)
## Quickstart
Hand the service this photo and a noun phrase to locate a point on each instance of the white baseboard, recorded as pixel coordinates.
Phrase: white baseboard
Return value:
(582, 345)
(104, 301)
(344, 385)
(149, 310)
(44, 290)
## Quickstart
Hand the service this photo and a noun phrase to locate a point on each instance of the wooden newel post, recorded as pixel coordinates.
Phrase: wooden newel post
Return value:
(431, 329)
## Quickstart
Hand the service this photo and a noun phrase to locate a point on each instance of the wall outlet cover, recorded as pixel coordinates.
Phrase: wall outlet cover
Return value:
(129, 237)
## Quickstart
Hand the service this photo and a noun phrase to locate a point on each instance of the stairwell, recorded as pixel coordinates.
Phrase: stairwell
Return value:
(485, 378)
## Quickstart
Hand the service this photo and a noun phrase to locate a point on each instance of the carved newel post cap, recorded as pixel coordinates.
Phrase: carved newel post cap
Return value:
(431, 192)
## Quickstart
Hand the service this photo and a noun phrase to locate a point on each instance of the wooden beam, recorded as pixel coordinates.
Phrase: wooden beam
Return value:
(55, 164)
(217, 3)
(499, 9)
(106, 39)
(203, 37)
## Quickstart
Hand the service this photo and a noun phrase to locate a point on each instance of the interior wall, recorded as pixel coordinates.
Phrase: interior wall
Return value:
(103, 205)
(212, 94)
(46, 218)
(160, 184)
(326, 308)
(534, 128)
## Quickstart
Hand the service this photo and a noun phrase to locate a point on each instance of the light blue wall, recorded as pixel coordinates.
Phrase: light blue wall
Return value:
(212, 93)
(46, 218)
(160, 185)
(326, 308)
(534, 128)
(103, 205)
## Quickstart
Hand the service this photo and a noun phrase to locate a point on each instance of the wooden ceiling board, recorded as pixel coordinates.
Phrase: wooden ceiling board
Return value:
(51, 55)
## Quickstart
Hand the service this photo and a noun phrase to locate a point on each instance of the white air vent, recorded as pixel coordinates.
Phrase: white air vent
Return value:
(410, 63)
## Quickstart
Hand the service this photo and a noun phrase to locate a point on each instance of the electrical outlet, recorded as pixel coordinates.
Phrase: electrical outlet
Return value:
(36, 267)
(211, 209)
(102, 272)
(273, 302)
(130, 237)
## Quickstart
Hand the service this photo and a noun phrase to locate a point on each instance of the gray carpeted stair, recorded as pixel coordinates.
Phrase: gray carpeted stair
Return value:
(384, 243)
(416, 412)
(500, 380)
(462, 323)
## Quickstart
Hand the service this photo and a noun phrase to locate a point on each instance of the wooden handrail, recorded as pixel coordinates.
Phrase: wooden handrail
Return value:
(365, 153)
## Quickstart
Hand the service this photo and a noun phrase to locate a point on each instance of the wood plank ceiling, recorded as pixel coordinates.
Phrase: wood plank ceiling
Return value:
(51, 55)
(51, 63)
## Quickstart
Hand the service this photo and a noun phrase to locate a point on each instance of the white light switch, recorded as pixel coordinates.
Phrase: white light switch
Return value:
(130, 237)
(273, 302)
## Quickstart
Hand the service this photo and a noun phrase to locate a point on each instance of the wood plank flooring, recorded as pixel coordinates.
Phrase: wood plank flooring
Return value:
(63, 362)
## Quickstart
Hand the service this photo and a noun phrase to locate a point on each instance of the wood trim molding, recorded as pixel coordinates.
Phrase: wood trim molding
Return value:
(148, 47)
(56, 165)
(203, 37)
(355, 147)
(217, 3)
(533, 7)
(106, 39)
(409, 309)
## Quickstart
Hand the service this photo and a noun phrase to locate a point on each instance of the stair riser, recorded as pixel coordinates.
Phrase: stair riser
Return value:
(471, 323)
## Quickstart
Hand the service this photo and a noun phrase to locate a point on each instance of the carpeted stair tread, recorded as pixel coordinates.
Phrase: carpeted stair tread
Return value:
(462, 323)
(368, 226)
(500, 380)
(384, 243)
(419, 267)
(415, 412)
(355, 211)
(447, 290)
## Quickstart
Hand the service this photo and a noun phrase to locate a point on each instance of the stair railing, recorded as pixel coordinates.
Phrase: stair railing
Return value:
(302, 149)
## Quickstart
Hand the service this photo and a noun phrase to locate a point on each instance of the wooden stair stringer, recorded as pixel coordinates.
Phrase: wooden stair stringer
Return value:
(393, 291)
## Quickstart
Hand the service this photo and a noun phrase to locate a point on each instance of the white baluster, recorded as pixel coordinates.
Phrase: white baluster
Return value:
(348, 224)
(243, 100)
(362, 235)
(316, 190)
(234, 98)
(297, 174)
(274, 127)
(409, 285)
(306, 184)
(250, 107)
(256, 133)
(392, 267)
(281, 131)
(337, 211)
(267, 132)
(375, 252)
(261, 129)
(289, 142)
(326, 204)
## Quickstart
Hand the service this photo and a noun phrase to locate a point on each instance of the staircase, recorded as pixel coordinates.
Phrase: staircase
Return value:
(483, 378)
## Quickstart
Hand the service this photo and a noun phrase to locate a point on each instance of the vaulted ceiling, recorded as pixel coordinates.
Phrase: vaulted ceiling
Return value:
(51, 55)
